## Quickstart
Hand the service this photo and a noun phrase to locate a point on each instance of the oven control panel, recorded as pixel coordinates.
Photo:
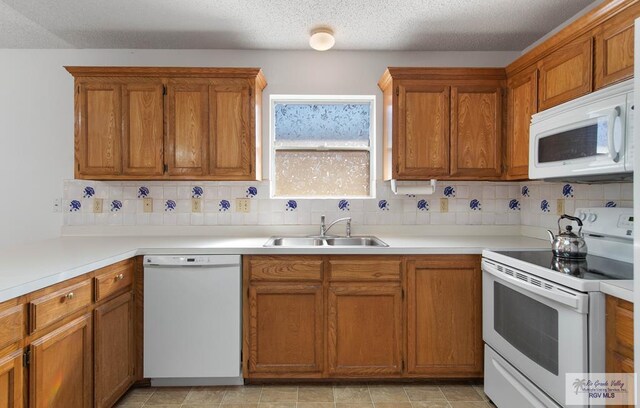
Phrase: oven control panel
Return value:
(613, 222)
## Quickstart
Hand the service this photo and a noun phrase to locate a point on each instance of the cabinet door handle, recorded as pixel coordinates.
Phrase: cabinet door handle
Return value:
(69, 296)
(119, 277)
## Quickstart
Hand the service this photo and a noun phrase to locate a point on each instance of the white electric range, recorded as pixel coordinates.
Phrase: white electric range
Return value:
(544, 317)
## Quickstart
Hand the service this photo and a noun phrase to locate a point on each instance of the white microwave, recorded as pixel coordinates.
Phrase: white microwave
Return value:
(589, 138)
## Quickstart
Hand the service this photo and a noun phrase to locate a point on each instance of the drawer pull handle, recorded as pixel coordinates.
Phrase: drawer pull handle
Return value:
(69, 295)
(119, 277)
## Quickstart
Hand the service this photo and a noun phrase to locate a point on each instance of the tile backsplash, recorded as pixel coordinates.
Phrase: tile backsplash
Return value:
(469, 203)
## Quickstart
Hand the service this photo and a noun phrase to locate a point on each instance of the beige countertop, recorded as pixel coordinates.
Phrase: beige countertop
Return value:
(33, 266)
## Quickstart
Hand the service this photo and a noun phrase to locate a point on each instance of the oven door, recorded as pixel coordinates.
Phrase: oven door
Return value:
(537, 326)
(586, 140)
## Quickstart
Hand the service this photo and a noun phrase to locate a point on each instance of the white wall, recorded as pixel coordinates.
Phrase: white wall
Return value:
(36, 109)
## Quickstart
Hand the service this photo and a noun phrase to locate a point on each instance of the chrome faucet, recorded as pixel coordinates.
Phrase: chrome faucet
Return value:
(324, 228)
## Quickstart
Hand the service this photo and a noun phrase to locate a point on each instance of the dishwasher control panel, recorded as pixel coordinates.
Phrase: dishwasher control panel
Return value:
(195, 260)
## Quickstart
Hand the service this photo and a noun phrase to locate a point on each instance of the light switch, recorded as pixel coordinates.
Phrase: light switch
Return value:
(147, 205)
(243, 205)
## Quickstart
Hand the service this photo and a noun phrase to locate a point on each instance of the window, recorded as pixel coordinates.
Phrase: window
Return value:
(322, 146)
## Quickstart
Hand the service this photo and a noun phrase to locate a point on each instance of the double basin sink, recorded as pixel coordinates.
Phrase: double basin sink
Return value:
(367, 241)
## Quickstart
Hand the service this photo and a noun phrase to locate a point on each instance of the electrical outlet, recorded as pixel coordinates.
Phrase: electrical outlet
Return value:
(57, 205)
(147, 205)
(196, 205)
(560, 206)
(444, 205)
(97, 205)
(243, 205)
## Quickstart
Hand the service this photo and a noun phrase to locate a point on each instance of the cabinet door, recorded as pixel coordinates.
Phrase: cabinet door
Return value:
(364, 330)
(143, 132)
(113, 350)
(98, 130)
(476, 131)
(231, 147)
(11, 380)
(522, 102)
(285, 329)
(423, 131)
(187, 116)
(444, 337)
(565, 74)
(614, 48)
(60, 374)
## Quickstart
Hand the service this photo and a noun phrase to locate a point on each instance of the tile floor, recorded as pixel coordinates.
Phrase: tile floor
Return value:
(310, 396)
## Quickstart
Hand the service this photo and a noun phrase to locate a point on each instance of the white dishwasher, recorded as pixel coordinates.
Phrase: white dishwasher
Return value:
(192, 313)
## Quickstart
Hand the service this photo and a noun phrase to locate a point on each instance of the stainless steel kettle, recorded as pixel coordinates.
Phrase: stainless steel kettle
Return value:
(568, 244)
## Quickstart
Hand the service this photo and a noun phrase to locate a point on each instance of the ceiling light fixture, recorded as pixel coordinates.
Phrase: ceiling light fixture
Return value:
(322, 39)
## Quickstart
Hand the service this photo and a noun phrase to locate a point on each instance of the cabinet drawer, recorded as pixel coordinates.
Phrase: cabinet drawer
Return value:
(285, 268)
(114, 279)
(364, 270)
(11, 325)
(55, 306)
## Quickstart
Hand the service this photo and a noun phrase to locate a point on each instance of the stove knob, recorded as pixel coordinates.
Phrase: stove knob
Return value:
(582, 216)
(593, 217)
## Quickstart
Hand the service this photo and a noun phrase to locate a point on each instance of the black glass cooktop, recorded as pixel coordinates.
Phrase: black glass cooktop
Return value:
(593, 268)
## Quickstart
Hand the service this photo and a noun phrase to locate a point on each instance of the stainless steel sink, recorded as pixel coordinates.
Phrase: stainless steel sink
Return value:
(355, 241)
(368, 241)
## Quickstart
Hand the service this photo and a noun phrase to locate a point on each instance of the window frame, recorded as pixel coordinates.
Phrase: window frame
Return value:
(322, 99)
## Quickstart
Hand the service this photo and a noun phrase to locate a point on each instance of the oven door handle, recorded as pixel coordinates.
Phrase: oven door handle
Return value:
(574, 301)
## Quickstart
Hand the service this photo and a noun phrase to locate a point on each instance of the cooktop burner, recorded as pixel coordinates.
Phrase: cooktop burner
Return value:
(591, 268)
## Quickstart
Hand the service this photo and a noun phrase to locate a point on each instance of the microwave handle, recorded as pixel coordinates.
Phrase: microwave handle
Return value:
(611, 133)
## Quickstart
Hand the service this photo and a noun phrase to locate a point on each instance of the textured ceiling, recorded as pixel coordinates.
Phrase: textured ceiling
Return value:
(281, 24)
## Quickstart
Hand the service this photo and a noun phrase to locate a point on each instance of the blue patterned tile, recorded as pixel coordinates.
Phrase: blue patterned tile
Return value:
(343, 205)
(252, 192)
(545, 206)
(143, 192)
(384, 205)
(224, 206)
(170, 205)
(514, 205)
(291, 205)
(611, 204)
(567, 190)
(88, 192)
(475, 205)
(423, 205)
(75, 205)
(116, 205)
(197, 192)
(449, 191)
(525, 191)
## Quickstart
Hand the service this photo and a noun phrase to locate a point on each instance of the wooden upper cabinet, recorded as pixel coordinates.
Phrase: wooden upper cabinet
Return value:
(444, 337)
(442, 123)
(187, 128)
(476, 131)
(11, 380)
(98, 129)
(231, 147)
(146, 123)
(143, 128)
(614, 48)
(566, 73)
(423, 130)
(522, 102)
(60, 371)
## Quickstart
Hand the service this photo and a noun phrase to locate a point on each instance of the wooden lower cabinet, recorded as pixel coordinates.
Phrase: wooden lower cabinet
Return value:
(619, 333)
(60, 372)
(11, 380)
(113, 350)
(364, 329)
(285, 329)
(348, 317)
(444, 316)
